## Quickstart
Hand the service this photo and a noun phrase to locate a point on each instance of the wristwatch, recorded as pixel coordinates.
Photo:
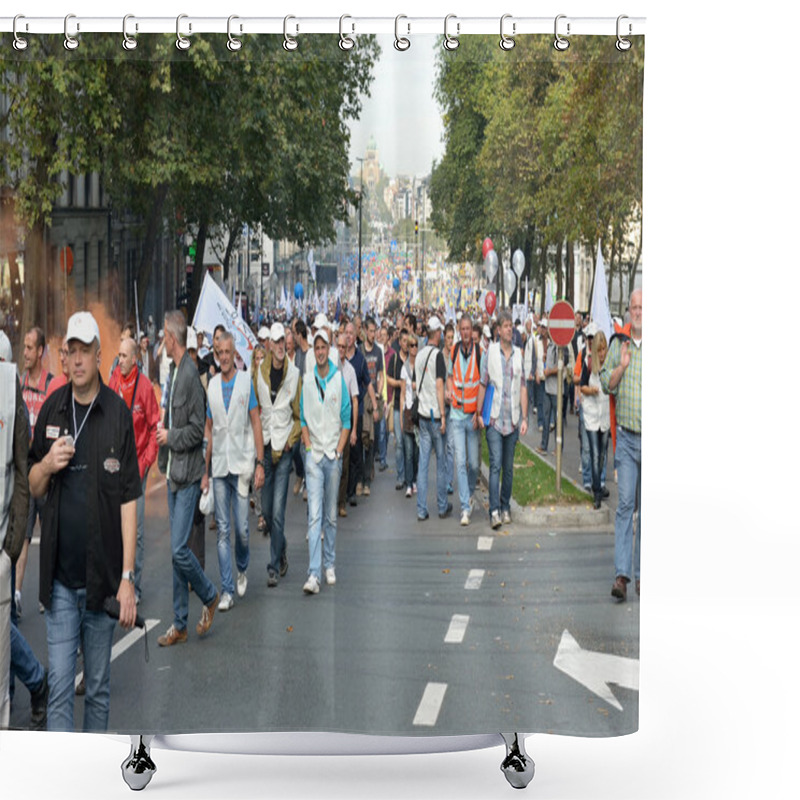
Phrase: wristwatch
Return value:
(128, 575)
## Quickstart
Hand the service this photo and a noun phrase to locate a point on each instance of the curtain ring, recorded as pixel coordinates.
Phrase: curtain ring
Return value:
(234, 44)
(182, 43)
(128, 42)
(623, 44)
(559, 43)
(345, 42)
(19, 43)
(507, 42)
(70, 42)
(289, 42)
(451, 42)
(401, 43)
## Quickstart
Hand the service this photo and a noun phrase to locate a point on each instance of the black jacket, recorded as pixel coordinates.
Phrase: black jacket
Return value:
(113, 478)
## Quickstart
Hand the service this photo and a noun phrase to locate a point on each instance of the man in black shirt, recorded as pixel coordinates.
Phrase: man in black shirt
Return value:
(373, 355)
(83, 463)
(395, 381)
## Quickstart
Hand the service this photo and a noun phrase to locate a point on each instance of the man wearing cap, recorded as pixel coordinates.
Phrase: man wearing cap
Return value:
(430, 373)
(277, 387)
(139, 396)
(180, 459)
(83, 462)
(325, 426)
(235, 448)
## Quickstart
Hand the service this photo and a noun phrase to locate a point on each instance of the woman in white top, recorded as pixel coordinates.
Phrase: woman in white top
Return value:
(596, 414)
(408, 393)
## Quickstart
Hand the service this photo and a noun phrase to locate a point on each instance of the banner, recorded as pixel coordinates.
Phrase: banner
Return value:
(600, 310)
(214, 308)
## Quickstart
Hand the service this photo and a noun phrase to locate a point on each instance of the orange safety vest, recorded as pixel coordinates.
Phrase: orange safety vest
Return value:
(465, 387)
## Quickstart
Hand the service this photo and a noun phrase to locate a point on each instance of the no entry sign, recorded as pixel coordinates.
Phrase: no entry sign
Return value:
(561, 323)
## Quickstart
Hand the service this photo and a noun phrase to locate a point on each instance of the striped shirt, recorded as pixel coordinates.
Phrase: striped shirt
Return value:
(628, 394)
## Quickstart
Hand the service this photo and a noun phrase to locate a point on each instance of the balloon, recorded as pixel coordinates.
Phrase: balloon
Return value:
(490, 265)
(298, 290)
(491, 302)
(487, 246)
(511, 281)
(396, 283)
(518, 262)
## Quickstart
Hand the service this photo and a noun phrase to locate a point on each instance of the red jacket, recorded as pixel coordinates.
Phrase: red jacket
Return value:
(146, 414)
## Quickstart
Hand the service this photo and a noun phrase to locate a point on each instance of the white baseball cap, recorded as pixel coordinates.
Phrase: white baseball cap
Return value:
(321, 321)
(191, 338)
(83, 327)
(322, 334)
(434, 323)
(263, 333)
(591, 329)
(277, 332)
(5, 348)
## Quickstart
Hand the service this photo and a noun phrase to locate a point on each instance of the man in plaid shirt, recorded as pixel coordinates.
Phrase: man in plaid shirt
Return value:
(621, 376)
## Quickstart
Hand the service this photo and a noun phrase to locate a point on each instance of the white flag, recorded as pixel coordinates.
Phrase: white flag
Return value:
(214, 308)
(600, 310)
(548, 294)
(312, 267)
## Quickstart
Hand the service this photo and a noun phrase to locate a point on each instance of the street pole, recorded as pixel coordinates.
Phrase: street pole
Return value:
(559, 418)
(360, 205)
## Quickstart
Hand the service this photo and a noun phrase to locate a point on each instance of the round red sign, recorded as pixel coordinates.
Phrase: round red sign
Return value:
(561, 323)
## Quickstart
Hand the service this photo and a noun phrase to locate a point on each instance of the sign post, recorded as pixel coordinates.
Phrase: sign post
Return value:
(561, 325)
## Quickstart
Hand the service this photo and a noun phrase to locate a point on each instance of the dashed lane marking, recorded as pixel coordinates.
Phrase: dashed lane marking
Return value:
(474, 579)
(485, 542)
(430, 705)
(457, 630)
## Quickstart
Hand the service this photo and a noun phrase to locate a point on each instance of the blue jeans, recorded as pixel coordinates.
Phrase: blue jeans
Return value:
(399, 448)
(449, 449)
(226, 493)
(186, 568)
(629, 485)
(322, 482)
(24, 664)
(381, 440)
(411, 454)
(273, 503)
(137, 571)
(431, 440)
(548, 416)
(539, 393)
(598, 446)
(501, 457)
(586, 457)
(531, 384)
(70, 625)
(466, 442)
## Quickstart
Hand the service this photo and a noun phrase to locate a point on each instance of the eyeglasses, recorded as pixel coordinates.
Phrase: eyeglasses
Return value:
(412, 344)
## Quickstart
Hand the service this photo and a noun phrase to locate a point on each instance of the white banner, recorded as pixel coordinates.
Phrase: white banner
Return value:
(600, 310)
(214, 308)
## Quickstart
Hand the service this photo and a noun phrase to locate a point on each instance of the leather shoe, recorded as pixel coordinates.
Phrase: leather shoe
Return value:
(172, 636)
(620, 588)
(207, 616)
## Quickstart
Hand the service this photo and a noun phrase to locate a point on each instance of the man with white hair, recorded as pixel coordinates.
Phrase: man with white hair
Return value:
(83, 463)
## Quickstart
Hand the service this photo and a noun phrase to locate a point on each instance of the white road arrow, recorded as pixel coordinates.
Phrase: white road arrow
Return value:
(596, 670)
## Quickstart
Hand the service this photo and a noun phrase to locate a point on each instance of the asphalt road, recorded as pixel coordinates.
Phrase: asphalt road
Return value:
(431, 629)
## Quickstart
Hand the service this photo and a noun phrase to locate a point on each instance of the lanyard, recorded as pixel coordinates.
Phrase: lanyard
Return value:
(75, 419)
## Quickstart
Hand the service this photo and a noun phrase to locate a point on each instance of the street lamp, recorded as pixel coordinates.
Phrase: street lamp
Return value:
(360, 204)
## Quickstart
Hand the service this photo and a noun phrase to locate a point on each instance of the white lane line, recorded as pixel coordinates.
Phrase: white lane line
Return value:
(430, 705)
(485, 542)
(475, 579)
(124, 643)
(457, 630)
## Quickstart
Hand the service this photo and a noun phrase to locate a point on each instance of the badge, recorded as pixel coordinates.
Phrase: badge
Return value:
(51, 432)
(111, 465)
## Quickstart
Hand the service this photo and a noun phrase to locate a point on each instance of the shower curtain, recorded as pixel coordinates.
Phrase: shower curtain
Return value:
(365, 184)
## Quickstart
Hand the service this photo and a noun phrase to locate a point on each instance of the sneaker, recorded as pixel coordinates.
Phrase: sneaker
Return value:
(226, 603)
(422, 517)
(620, 588)
(447, 512)
(359, 489)
(465, 518)
(172, 636)
(207, 616)
(311, 586)
(298, 485)
(342, 511)
(330, 576)
(408, 492)
(414, 488)
(18, 602)
(366, 490)
(399, 486)
(284, 568)
(383, 467)
(39, 705)
(506, 518)
(272, 580)
(539, 428)
(241, 584)
(496, 521)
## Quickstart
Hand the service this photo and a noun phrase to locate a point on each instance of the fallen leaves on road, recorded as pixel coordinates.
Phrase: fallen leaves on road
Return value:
(290, 629)
(446, 571)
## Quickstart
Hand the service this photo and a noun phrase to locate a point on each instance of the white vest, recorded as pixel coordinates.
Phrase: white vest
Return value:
(323, 419)
(426, 389)
(233, 446)
(495, 365)
(8, 410)
(276, 419)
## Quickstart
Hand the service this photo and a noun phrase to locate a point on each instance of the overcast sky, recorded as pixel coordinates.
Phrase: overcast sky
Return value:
(401, 113)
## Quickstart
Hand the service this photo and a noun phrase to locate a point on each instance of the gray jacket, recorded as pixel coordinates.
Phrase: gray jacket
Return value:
(185, 437)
